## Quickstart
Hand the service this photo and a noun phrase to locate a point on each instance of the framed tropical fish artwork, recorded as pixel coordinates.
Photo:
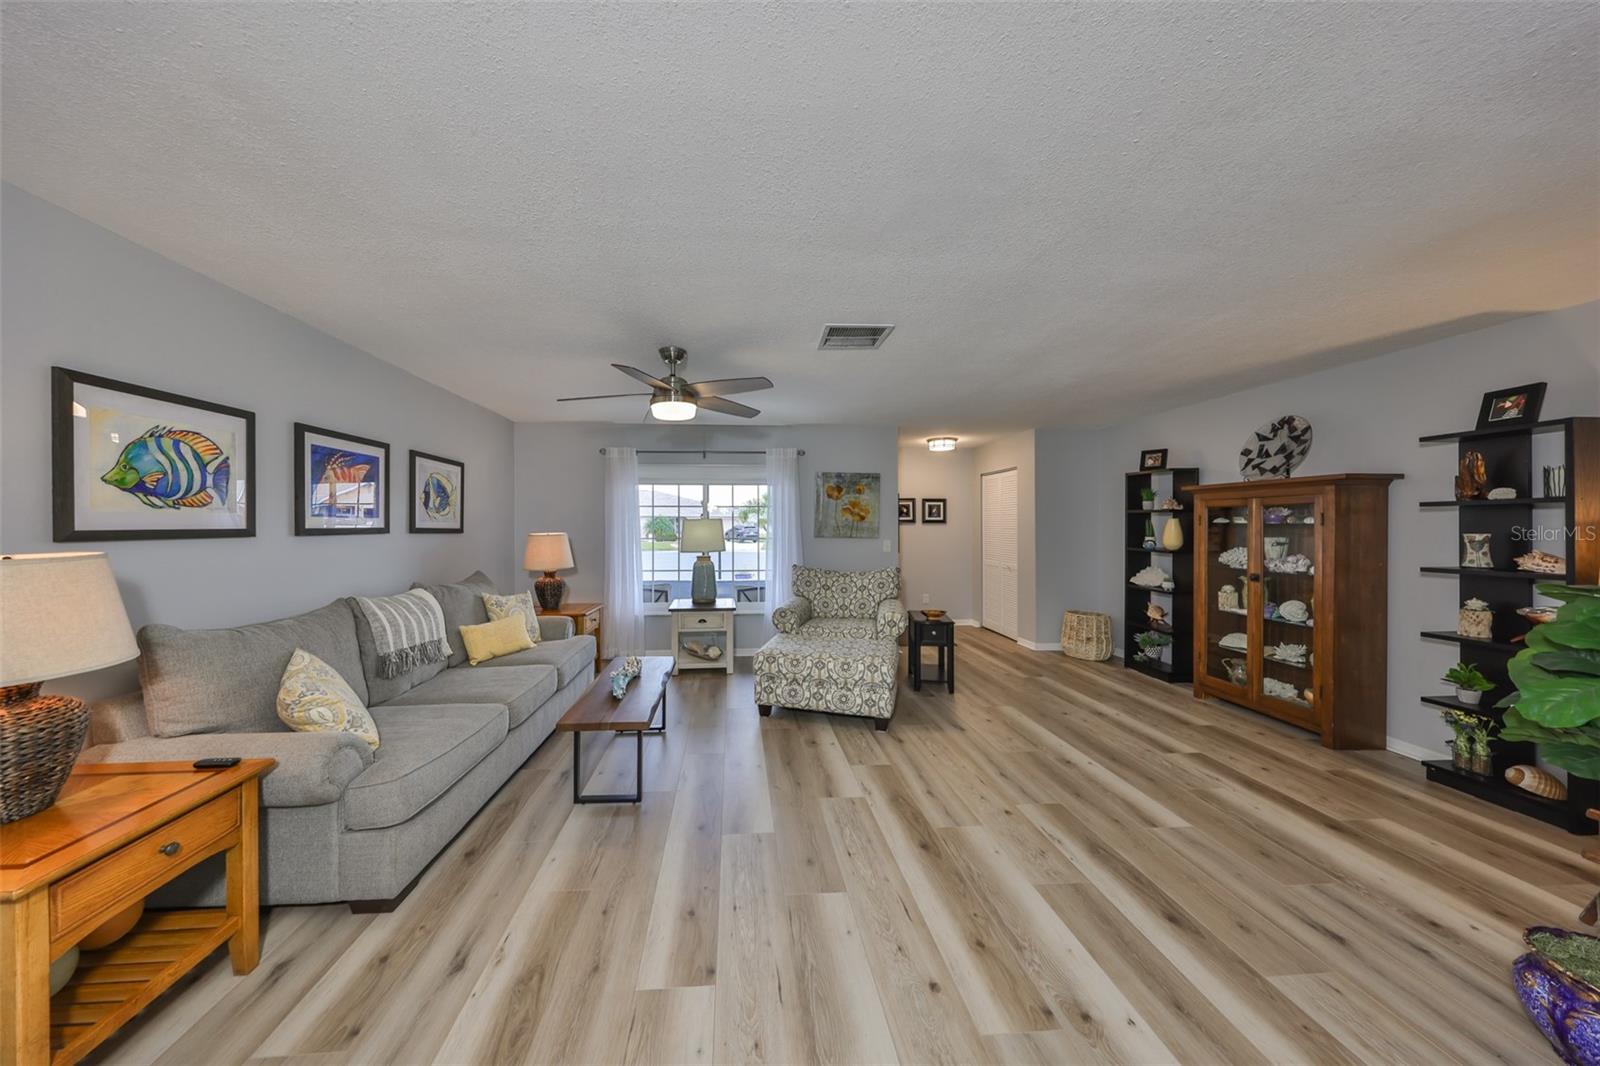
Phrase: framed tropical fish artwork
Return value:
(436, 493)
(341, 483)
(135, 463)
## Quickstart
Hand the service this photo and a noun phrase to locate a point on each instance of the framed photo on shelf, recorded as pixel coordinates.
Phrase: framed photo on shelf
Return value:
(135, 463)
(908, 509)
(933, 510)
(1510, 407)
(1153, 459)
(341, 483)
(437, 494)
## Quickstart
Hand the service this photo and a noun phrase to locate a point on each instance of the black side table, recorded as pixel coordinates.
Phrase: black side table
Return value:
(939, 634)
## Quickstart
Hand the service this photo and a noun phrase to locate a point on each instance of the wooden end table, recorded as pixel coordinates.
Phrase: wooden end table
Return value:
(118, 832)
(597, 711)
(940, 634)
(586, 620)
(699, 621)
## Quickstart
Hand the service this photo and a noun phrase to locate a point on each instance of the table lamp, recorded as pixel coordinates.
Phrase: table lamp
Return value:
(703, 535)
(60, 614)
(548, 552)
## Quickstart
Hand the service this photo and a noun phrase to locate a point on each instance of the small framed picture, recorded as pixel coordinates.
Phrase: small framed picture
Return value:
(132, 463)
(933, 510)
(437, 500)
(1506, 407)
(1153, 459)
(341, 483)
(908, 509)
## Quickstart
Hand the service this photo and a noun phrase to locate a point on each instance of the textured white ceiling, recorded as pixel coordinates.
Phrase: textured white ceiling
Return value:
(1068, 211)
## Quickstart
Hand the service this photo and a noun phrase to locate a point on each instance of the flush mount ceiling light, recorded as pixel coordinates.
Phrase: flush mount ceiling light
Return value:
(941, 444)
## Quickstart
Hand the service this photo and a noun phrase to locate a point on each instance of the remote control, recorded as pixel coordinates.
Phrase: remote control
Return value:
(217, 762)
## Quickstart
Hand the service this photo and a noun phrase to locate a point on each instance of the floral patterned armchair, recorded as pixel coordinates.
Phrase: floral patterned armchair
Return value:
(837, 646)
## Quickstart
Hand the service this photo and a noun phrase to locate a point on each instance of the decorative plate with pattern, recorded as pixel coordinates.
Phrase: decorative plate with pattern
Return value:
(1275, 449)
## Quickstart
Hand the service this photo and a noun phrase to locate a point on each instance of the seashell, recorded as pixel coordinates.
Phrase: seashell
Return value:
(1532, 779)
(1150, 577)
(1235, 642)
(1503, 493)
(1294, 610)
(1475, 604)
(1538, 615)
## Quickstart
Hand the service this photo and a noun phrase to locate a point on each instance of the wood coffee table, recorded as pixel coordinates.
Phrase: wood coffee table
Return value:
(596, 711)
(118, 832)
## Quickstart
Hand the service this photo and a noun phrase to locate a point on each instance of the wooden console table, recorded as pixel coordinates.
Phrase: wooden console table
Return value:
(119, 832)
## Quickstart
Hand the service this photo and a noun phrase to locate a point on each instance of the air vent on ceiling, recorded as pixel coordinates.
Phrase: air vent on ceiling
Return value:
(853, 337)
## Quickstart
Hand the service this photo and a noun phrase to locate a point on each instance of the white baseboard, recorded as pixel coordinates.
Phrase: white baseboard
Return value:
(1036, 646)
(969, 622)
(1413, 751)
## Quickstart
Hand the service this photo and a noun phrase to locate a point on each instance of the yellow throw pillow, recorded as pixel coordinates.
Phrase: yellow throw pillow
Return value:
(518, 606)
(494, 639)
(313, 698)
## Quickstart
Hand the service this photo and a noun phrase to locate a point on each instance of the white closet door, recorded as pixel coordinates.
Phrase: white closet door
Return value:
(1000, 552)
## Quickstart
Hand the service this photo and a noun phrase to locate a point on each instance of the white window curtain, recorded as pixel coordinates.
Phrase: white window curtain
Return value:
(783, 524)
(623, 629)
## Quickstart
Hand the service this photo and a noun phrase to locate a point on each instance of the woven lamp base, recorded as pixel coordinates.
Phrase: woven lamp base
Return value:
(40, 738)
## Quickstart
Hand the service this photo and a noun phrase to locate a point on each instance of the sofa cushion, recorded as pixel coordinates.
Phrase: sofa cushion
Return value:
(226, 680)
(462, 604)
(568, 656)
(315, 699)
(426, 749)
(846, 593)
(383, 689)
(521, 690)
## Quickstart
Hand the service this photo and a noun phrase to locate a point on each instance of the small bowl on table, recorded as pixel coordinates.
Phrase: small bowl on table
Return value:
(931, 614)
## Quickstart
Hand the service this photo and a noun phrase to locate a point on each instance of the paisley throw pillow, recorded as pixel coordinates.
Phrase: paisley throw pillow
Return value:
(520, 605)
(313, 698)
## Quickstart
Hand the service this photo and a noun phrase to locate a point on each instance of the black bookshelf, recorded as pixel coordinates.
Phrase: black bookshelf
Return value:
(1178, 667)
(1508, 459)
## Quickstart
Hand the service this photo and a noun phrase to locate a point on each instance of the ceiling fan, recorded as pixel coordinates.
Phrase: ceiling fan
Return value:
(672, 399)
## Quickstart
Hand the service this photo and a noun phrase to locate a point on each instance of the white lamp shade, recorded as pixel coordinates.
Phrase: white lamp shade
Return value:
(60, 614)
(702, 535)
(547, 551)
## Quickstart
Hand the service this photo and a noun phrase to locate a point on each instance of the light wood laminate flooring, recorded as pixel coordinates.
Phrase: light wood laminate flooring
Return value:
(1063, 862)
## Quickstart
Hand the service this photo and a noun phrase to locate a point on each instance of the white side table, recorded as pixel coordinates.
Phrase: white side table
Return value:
(705, 626)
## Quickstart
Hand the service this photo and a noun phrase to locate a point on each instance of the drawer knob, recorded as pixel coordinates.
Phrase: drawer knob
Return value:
(171, 848)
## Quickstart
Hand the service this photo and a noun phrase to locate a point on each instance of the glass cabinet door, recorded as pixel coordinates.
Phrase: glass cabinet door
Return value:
(1286, 601)
(1225, 557)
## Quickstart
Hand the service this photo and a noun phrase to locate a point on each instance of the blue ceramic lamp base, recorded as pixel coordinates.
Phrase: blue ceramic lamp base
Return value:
(703, 584)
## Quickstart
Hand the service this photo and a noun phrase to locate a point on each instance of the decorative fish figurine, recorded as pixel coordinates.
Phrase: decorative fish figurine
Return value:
(167, 467)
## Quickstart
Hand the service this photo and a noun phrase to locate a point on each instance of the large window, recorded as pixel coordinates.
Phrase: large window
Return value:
(666, 499)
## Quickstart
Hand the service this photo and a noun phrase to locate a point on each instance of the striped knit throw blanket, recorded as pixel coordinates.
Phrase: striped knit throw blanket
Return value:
(408, 630)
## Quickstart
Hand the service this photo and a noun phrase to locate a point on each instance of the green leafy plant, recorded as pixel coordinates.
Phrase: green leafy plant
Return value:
(661, 528)
(1473, 731)
(1150, 644)
(1467, 676)
(1557, 702)
(1147, 495)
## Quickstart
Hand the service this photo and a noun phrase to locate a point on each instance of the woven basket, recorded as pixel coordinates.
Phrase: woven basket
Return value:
(1086, 635)
(40, 737)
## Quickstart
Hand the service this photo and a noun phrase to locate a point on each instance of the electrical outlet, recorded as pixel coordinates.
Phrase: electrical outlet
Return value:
(886, 547)
(924, 599)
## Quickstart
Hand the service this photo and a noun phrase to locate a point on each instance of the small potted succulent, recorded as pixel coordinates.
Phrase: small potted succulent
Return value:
(1150, 645)
(1469, 682)
(1147, 498)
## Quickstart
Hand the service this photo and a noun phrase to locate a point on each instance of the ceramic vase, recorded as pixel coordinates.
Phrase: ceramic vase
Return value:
(1475, 550)
(1469, 696)
(1172, 535)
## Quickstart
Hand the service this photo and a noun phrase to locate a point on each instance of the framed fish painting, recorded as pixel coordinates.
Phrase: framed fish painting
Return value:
(341, 483)
(134, 463)
(437, 498)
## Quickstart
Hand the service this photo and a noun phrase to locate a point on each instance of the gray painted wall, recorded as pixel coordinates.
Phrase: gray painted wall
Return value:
(1366, 416)
(560, 485)
(79, 296)
(936, 560)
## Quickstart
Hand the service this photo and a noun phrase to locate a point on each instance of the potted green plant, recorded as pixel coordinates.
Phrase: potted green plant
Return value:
(1147, 498)
(1469, 747)
(1150, 645)
(1469, 682)
(1557, 674)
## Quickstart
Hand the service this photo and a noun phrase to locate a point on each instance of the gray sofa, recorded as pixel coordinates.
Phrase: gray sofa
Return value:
(340, 821)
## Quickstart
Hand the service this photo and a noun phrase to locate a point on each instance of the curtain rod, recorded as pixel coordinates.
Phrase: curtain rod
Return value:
(703, 452)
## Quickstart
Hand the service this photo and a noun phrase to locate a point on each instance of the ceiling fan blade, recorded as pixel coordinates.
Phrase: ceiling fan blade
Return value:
(727, 407)
(640, 376)
(607, 396)
(729, 386)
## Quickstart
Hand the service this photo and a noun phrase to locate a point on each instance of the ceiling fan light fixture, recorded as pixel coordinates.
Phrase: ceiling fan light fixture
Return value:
(942, 444)
(671, 407)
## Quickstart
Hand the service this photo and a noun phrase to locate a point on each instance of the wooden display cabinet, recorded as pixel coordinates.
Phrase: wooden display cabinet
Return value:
(1320, 544)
